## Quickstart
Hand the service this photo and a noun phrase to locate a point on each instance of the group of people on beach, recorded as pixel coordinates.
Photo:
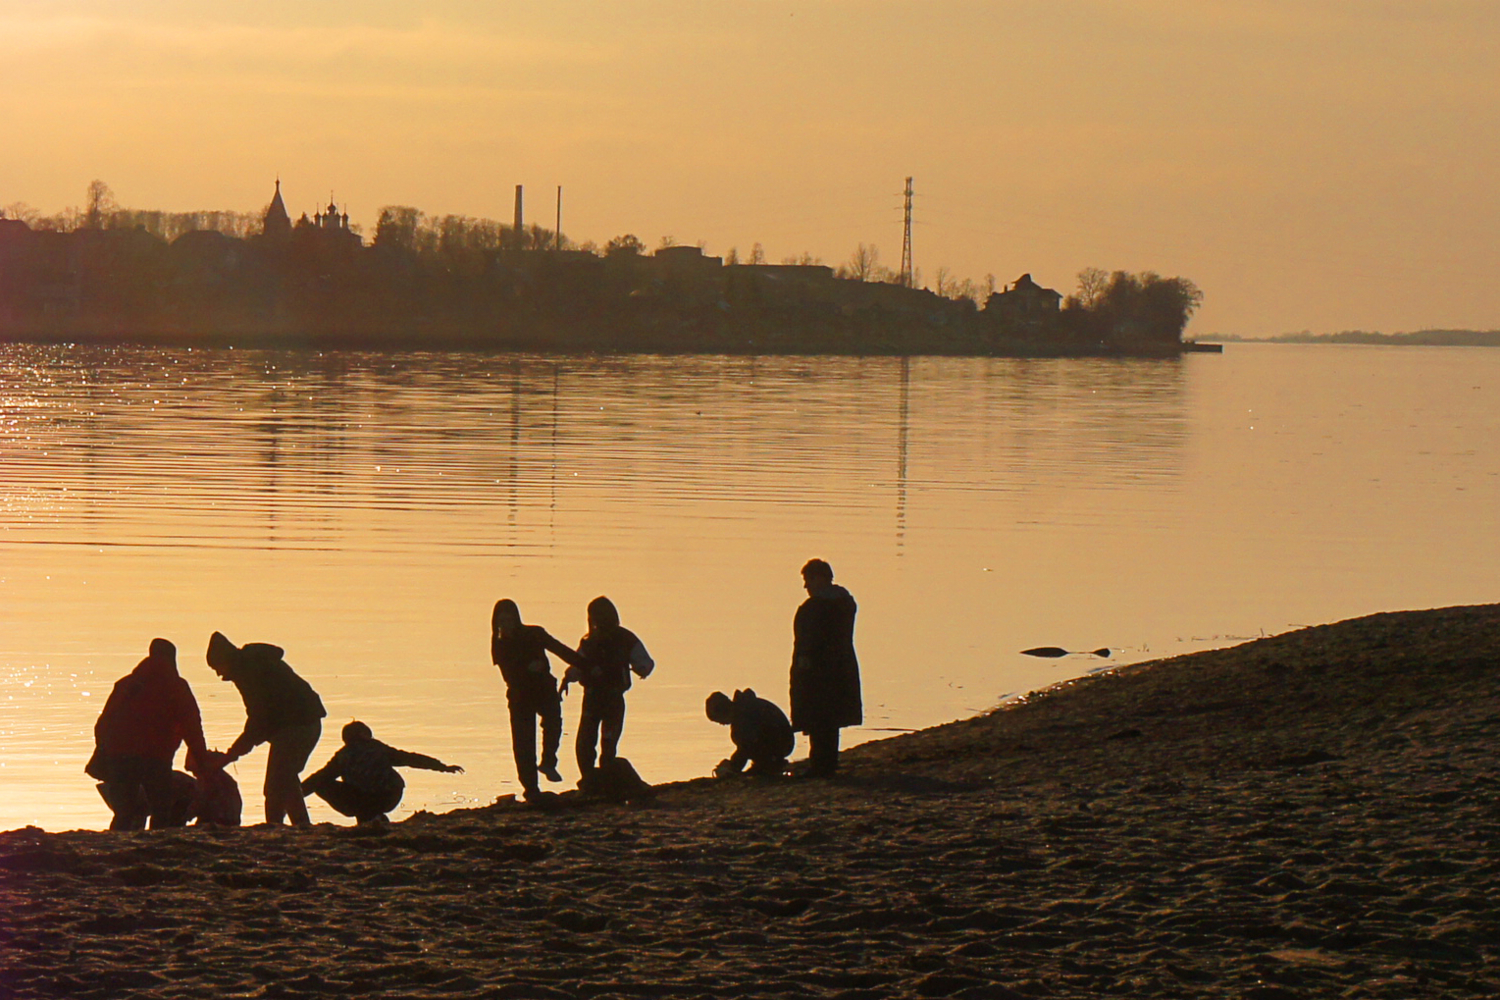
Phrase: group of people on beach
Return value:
(151, 713)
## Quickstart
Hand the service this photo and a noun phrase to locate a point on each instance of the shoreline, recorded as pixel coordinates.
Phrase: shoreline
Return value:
(898, 344)
(1308, 814)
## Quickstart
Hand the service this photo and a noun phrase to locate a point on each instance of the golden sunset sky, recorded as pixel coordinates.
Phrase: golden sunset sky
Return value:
(1310, 164)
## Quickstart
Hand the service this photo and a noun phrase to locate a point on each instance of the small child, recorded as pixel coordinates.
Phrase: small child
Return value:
(761, 733)
(361, 780)
(610, 653)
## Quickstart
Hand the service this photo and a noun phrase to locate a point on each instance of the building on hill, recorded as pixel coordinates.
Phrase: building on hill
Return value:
(1024, 301)
(332, 219)
(686, 258)
(333, 226)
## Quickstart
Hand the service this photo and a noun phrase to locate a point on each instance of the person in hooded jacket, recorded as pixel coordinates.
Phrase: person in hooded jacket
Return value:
(149, 714)
(825, 670)
(520, 651)
(281, 709)
(611, 653)
(361, 780)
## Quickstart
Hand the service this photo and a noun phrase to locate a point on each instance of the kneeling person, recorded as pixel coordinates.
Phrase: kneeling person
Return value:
(761, 733)
(361, 780)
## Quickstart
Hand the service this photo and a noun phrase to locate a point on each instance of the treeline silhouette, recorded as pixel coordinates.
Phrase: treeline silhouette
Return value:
(107, 273)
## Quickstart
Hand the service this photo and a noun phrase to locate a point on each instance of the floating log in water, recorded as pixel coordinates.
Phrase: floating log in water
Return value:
(1053, 652)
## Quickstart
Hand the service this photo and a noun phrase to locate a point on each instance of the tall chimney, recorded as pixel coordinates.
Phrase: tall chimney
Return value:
(519, 223)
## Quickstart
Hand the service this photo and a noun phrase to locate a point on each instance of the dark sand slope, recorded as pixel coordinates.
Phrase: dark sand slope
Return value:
(1311, 815)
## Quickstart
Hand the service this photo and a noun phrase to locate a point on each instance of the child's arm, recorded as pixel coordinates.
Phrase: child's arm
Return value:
(405, 758)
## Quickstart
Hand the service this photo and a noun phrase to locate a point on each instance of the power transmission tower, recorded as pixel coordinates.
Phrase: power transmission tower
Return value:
(907, 278)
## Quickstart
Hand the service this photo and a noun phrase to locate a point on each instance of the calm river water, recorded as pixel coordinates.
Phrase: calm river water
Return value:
(365, 511)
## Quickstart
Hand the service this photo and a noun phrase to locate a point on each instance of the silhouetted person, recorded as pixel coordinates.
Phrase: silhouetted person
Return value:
(281, 709)
(761, 733)
(149, 714)
(360, 780)
(520, 651)
(610, 652)
(825, 671)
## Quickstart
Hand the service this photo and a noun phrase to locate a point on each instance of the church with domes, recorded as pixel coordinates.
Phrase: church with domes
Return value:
(330, 223)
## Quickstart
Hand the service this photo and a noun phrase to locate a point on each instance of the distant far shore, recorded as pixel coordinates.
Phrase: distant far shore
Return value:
(1312, 814)
(316, 285)
(1417, 338)
(831, 340)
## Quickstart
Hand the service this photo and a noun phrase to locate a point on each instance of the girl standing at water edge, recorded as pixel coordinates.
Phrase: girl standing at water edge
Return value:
(612, 651)
(520, 651)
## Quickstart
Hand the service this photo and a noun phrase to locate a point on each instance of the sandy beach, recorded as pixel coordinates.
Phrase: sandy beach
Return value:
(1308, 815)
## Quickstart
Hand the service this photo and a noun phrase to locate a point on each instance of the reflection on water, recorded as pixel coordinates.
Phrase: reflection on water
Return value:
(365, 511)
(241, 449)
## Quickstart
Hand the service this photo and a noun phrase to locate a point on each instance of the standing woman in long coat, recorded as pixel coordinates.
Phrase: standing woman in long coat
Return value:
(825, 670)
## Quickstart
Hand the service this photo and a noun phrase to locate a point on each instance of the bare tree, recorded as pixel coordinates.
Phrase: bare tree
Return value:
(99, 205)
(22, 211)
(757, 254)
(65, 221)
(945, 282)
(538, 237)
(863, 264)
(1093, 283)
(732, 257)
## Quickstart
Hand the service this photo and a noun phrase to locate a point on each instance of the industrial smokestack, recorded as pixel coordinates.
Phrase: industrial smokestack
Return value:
(519, 221)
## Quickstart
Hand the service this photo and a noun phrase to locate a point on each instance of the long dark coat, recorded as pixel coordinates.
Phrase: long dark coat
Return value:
(825, 670)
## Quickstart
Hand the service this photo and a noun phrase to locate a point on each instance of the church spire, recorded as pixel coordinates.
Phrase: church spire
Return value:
(276, 222)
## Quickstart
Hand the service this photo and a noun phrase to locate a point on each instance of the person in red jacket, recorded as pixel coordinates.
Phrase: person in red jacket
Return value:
(150, 713)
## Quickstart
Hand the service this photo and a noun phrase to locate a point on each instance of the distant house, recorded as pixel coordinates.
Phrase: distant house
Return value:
(686, 258)
(1024, 300)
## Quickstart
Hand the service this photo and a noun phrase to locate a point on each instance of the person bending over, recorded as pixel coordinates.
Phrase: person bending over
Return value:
(149, 714)
(361, 780)
(281, 709)
(611, 652)
(520, 651)
(761, 733)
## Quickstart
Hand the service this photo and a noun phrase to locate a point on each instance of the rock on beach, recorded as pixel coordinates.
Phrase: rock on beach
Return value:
(1308, 815)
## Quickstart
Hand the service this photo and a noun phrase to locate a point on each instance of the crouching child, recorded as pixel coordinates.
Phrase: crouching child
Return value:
(361, 780)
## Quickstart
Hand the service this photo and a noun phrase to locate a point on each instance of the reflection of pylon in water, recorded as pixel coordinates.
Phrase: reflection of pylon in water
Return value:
(907, 278)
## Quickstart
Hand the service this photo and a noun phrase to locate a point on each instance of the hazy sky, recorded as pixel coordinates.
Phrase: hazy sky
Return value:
(1311, 164)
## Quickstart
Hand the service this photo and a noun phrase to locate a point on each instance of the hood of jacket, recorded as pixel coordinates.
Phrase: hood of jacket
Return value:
(155, 669)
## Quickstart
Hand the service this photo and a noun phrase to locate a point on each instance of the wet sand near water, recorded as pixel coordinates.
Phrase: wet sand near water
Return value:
(1309, 815)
